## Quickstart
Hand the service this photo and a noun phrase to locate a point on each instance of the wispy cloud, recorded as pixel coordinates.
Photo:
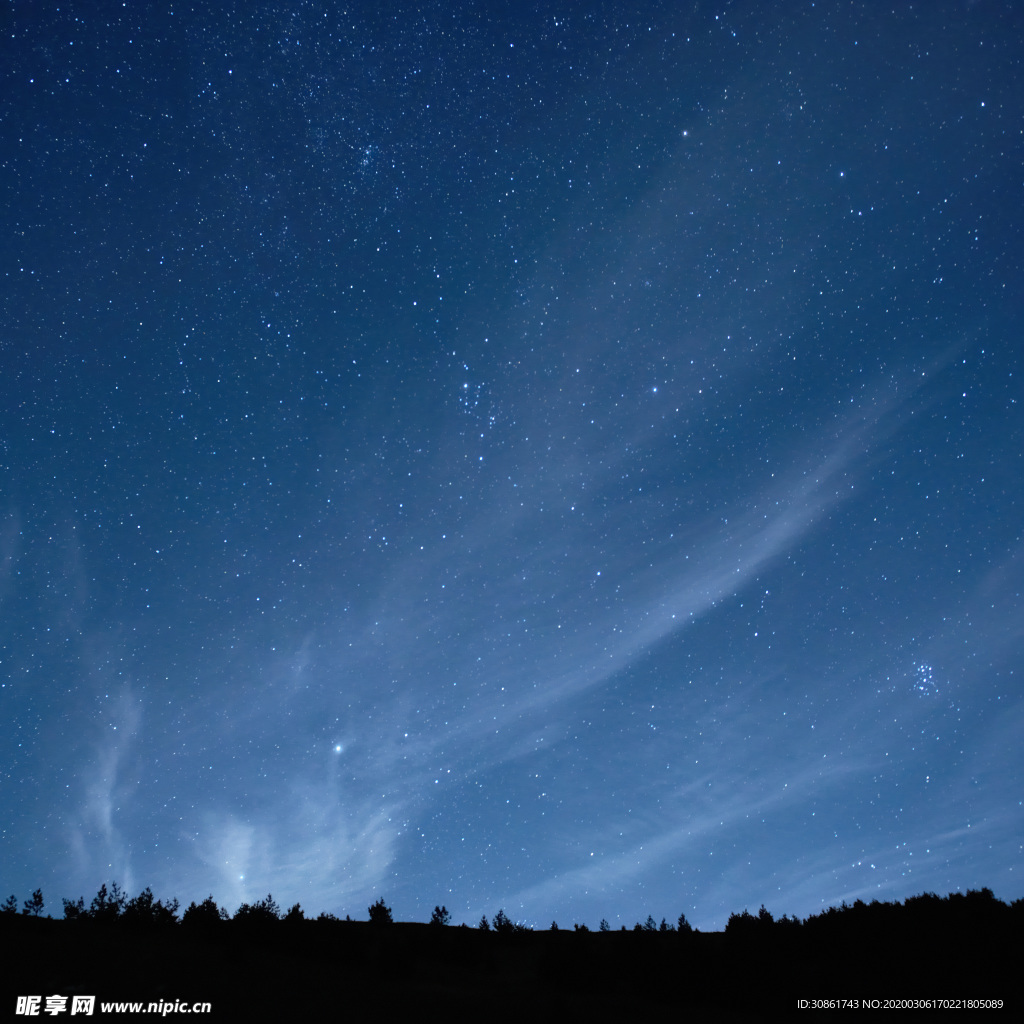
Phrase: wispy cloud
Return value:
(314, 847)
(108, 794)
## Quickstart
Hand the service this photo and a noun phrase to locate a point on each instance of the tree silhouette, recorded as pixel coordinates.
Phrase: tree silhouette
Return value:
(484, 925)
(145, 910)
(749, 928)
(380, 912)
(10, 905)
(740, 924)
(203, 914)
(502, 924)
(264, 910)
(34, 905)
(74, 910)
(440, 916)
(604, 926)
(107, 906)
(683, 925)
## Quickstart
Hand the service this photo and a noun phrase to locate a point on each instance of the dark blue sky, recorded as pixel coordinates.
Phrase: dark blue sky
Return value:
(559, 459)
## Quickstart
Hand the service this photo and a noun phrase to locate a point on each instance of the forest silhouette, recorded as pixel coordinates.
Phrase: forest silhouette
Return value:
(268, 960)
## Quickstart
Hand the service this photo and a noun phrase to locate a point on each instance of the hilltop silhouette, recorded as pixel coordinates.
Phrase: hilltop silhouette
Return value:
(964, 945)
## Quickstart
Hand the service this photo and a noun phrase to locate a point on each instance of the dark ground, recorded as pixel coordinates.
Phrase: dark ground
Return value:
(306, 969)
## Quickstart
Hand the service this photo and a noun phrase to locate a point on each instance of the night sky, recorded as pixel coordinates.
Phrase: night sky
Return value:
(560, 458)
